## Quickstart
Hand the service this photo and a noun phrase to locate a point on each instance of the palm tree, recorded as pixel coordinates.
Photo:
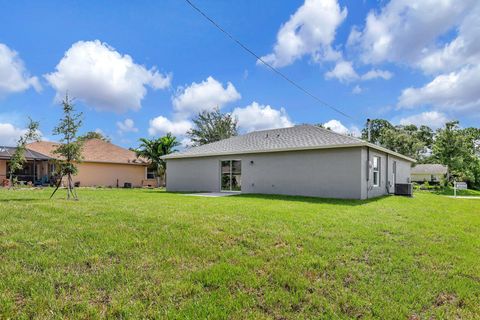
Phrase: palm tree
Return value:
(154, 149)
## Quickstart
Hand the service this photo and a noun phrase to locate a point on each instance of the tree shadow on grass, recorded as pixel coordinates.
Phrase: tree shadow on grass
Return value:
(23, 200)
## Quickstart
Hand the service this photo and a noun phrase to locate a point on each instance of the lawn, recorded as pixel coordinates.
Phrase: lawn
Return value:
(152, 254)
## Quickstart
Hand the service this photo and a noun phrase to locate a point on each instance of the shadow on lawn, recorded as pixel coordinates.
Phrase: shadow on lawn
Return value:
(344, 202)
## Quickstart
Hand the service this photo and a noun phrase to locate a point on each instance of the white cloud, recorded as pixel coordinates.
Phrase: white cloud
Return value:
(162, 125)
(455, 91)
(376, 73)
(103, 78)
(309, 31)
(462, 50)
(357, 90)
(260, 117)
(127, 125)
(13, 74)
(432, 119)
(403, 31)
(205, 95)
(337, 126)
(343, 71)
(9, 134)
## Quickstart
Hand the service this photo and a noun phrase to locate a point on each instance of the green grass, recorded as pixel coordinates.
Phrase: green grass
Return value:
(449, 192)
(152, 254)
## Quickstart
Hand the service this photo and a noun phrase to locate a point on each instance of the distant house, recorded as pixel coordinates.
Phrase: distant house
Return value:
(302, 160)
(429, 172)
(104, 164)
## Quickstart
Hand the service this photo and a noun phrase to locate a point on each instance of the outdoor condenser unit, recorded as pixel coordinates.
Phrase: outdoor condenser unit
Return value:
(403, 189)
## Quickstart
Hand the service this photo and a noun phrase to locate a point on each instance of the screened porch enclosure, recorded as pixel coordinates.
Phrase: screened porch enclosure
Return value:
(231, 175)
(32, 171)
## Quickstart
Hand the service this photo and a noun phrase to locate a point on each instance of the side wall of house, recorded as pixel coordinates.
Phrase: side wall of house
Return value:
(106, 174)
(386, 185)
(334, 173)
(3, 170)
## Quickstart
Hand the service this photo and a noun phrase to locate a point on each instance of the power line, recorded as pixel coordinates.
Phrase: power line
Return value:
(278, 72)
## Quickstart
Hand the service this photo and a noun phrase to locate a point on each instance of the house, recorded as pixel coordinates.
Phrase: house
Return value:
(301, 160)
(103, 164)
(35, 168)
(429, 172)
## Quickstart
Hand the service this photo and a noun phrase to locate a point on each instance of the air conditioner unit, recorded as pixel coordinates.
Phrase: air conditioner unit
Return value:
(403, 189)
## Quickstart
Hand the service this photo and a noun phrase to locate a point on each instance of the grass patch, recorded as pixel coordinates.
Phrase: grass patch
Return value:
(152, 254)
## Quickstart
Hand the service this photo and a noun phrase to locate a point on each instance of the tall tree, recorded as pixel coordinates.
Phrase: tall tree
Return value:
(453, 149)
(17, 161)
(70, 148)
(211, 126)
(93, 135)
(154, 149)
(376, 127)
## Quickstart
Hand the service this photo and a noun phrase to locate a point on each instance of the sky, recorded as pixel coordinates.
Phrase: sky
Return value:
(142, 69)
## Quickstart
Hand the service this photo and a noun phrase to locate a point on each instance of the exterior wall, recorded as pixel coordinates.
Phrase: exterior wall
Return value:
(106, 174)
(3, 170)
(330, 173)
(421, 177)
(386, 185)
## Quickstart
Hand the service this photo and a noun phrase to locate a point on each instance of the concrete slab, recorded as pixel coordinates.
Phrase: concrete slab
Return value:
(465, 197)
(213, 194)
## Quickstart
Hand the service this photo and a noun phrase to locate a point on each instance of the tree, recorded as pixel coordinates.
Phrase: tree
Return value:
(376, 126)
(70, 148)
(93, 135)
(17, 161)
(452, 148)
(211, 126)
(154, 149)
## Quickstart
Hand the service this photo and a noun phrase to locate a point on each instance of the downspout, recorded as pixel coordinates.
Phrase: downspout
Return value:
(387, 180)
(368, 168)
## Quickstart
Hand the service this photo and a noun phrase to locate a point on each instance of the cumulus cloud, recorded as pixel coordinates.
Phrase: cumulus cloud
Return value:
(162, 125)
(343, 71)
(13, 74)
(309, 31)
(337, 126)
(432, 119)
(205, 95)
(127, 125)
(455, 91)
(260, 117)
(376, 73)
(403, 30)
(103, 78)
(9, 134)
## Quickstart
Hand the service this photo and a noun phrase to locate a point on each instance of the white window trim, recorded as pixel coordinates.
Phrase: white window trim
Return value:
(377, 170)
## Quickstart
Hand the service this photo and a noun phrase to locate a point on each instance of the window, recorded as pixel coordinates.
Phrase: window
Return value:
(376, 171)
(151, 172)
(231, 175)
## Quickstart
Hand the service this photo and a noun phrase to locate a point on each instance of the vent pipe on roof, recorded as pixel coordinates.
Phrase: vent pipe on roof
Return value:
(369, 129)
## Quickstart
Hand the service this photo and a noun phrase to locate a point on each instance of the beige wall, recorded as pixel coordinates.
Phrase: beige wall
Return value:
(421, 177)
(106, 174)
(3, 170)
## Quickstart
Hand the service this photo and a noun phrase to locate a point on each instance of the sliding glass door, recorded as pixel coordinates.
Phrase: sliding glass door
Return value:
(231, 175)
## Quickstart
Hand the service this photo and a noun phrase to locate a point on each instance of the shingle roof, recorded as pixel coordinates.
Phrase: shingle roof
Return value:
(94, 150)
(429, 169)
(301, 137)
(7, 152)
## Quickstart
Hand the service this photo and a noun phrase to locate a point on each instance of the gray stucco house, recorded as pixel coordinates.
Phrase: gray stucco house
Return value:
(301, 160)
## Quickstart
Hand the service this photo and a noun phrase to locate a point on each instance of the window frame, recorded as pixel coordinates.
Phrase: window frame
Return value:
(376, 170)
(230, 174)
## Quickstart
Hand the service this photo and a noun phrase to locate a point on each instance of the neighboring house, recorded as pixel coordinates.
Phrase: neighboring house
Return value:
(429, 172)
(35, 168)
(103, 164)
(302, 160)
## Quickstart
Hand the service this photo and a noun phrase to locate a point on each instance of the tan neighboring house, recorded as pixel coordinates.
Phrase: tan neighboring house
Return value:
(104, 164)
(429, 172)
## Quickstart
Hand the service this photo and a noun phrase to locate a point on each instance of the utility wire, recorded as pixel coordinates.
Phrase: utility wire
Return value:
(278, 72)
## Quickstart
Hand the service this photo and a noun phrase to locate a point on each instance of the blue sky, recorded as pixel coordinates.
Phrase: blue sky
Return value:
(142, 69)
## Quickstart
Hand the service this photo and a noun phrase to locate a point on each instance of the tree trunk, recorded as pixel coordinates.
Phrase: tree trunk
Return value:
(58, 186)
